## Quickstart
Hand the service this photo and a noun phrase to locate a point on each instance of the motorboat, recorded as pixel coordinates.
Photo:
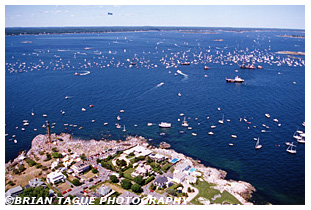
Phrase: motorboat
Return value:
(83, 109)
(194, 134)
(267, 115)
(118, 118)
(210, 133)
(234, 136)
(213, 126)
(237, 79)
(149, 124)
(165, 125)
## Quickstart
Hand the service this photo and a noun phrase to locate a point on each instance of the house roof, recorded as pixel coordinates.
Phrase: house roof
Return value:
(14, 190)
(161, 180)
(179, 175)
(138, 151)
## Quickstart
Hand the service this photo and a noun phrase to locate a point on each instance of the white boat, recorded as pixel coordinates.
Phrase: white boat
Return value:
(93, 121)
(66, 97)
(222, 120)
(267, 115)
(15, 141)
(181, 114)
(213, 126)
(165, 125)
(32, 113)
(26, 123)
(149, 124)
(124, 130)
(258, 146)
(184, 123)
(83, 109)
(189, 128)
(234, 136)
(121, 111)
(35, 129)
(279, 124)
(105, 123)
(218, 108)
(194, 134)
(290, 149)
(118, 126)
(179, 94)
(237, 79)
(303, 124)
(118, 118)
(230, 144)
(44, 115)
(302, 140)
(275, 120)
(210, 133)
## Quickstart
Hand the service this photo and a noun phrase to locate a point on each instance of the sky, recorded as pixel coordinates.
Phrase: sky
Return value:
(246, 16)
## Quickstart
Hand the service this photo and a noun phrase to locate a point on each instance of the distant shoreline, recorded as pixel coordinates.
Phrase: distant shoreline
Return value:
(13, 31)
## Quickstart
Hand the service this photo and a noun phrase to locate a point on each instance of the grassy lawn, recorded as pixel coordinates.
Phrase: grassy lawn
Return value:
(63, 186)
(127, 173)
(89, 174)
(115, 187)
(207, 192)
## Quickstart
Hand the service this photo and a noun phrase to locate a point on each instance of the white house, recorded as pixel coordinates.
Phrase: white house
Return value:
(55, 177)
(179, 177)
(138, 151)
(142, 170)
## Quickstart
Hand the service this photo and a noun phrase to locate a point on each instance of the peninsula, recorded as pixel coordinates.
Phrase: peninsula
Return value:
(74, 167)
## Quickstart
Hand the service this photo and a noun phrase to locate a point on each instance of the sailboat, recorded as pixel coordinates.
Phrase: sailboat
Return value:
(290, 149)
(32, 113)
(124, 130)
(185, 123)
(258, 146)
(222, 120)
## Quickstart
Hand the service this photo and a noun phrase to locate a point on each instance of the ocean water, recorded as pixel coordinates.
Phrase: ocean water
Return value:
(40, 74)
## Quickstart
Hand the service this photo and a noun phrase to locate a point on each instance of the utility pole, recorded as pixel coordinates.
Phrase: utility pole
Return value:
(48, 130)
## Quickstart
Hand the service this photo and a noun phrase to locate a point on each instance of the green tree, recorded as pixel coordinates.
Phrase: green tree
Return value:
(152, 186)
(56, 155)
(94, 171)
(139, 180)
(114, 179)
(83, 157)
(189, 189)
(76, 182)
(136, 188)
(36, 192)
(126, 184)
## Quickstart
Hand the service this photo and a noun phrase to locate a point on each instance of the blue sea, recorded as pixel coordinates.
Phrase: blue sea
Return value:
(40, 72)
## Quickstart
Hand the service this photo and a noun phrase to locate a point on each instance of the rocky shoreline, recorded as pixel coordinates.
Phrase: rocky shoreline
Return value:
(64, 143)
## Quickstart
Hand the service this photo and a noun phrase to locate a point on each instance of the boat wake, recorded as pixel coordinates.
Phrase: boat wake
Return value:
(85, 73)
(183, 74)
(155, 87)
